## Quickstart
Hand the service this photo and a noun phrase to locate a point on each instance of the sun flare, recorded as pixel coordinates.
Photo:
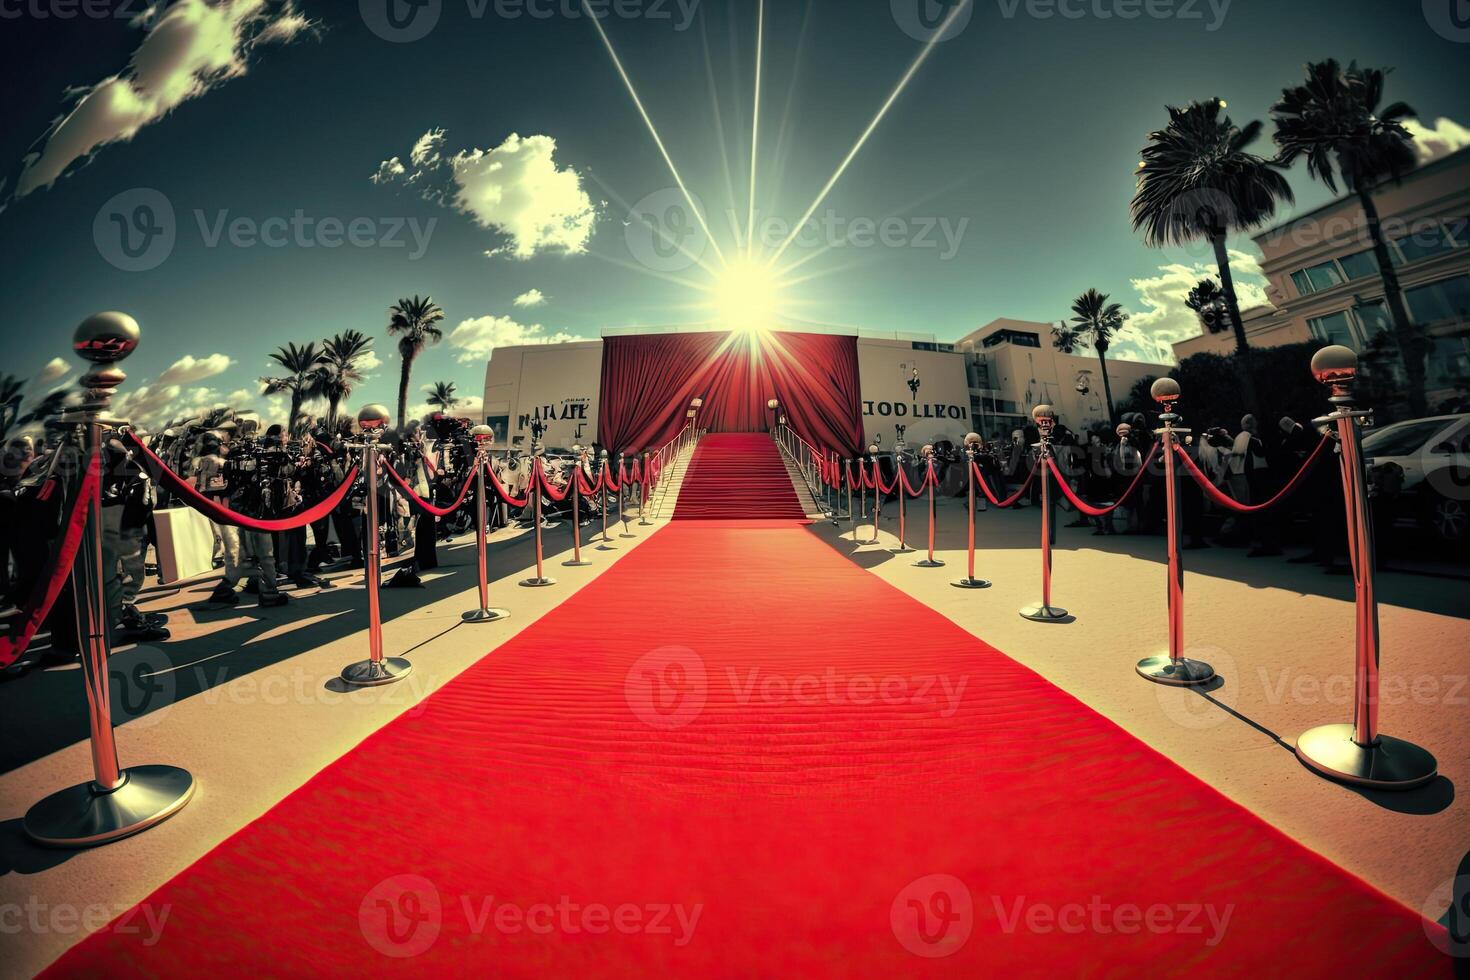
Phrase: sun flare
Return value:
(746, 296)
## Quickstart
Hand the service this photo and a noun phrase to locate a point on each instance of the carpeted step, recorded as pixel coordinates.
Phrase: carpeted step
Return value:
(737, 476)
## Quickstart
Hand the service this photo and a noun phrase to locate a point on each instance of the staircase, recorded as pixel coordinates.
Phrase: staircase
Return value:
(737, 476)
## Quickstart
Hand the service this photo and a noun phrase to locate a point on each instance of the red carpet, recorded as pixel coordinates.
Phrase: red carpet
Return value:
(813, 763)
(737, 476)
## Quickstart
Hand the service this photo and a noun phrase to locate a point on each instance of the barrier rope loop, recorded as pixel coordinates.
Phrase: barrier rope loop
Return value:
(408, 491)
(1230, 503)
(543, 483)
(1013, 498)
(1094, 511)
(504, 494)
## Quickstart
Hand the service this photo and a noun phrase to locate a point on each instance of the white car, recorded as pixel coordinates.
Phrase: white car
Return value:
(1423, 465)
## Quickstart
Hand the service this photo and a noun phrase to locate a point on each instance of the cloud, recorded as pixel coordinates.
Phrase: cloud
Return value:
(477, 338)
(55, 370)
(468, 406)
(1440, 140)
(189, 369)
(369, 361)
(193, 47)
(1164, 319)
(515, 189)
(531, 297)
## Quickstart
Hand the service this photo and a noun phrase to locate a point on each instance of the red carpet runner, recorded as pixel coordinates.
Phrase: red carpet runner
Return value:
(817, 776)
(737, 476)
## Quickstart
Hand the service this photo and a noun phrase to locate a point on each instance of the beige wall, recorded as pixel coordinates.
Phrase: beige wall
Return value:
(942, 408)
(560, 381)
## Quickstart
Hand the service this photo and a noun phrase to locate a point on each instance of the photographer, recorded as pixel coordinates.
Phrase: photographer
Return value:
(241, 482)
(127, 507)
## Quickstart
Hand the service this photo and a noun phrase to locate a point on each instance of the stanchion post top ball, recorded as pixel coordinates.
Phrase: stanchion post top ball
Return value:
(771, 404)
(927, 451)
(372, 418)
(973, 439)
(1165, 391)
(105, 338)
(1335, 365)
(483, 435)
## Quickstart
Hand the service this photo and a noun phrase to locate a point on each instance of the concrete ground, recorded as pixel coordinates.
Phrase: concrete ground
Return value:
(1281, 638)
(249, 701)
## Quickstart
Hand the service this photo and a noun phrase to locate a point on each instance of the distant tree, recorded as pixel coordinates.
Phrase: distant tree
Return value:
(338, 369)
(414, 322)
(1095, 321)
(1333, 119)
(1197, 181)
(1210, 391)
(442, 397)
(301, 381)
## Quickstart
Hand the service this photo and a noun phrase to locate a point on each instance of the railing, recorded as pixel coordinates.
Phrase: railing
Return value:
(804, 457)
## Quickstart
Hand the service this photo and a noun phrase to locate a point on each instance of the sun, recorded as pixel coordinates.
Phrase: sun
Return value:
(746, 296)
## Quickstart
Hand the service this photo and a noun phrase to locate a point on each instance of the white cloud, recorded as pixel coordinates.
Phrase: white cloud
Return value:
(531, 297)
(515, 189)
(1440, 140)
(194, 46)
(1165, 319)
(369, 362)
(55, 370)
(189, 369)
(477, 338)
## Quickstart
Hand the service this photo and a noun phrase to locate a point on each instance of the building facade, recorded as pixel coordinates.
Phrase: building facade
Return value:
(1323, 279)
(1012, 367)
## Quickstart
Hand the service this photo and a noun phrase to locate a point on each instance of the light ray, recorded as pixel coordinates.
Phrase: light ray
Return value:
(714, 98)
(657, 228)
(635, 267)
(755, 123)
(873, 125)
(628, 83)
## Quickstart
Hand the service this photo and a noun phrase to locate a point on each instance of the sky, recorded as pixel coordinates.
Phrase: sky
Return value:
(240, 174)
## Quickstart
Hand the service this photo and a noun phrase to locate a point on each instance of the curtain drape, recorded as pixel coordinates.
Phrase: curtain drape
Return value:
(649, 381)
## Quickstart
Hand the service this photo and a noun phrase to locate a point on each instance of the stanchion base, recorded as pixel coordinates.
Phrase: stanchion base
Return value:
(901, 550)
(606, 547)
(484, 615)
(575, 563)
(1182, 672)
(1043, 614)
(85, 815)
(537, 583)
(643, 523)
(928, 563)
(971, 583)
(369, 673)
(1389, 763)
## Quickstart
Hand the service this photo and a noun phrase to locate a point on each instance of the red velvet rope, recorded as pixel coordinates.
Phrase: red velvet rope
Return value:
(403, 486)
(908, 487)
(990, 494)
(1089, 509)
(538, 476)
(1230, 503)
(221, 514)
(877, 483)
(48, 586)
(503, 493)
(584, 487)
(609, 481)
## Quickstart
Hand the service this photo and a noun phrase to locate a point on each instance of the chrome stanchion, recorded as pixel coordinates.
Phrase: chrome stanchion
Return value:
(377, 669)
(581, 456)
(972, 451)
(898, 475)
(877, 491)
(847, 479)
(1174, 667)
(116, 802)
(1044, 611)
(484, 437)
(540, 580)
(643, 520)
(930, 562)
(1359, 753)
(606, 544)
(622, 495)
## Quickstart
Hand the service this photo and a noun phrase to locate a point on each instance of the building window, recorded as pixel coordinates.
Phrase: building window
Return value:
(1359, 265)
(1372, 319)
(1424, 243)
(1317, 278)
(1335, 328)
(1459, 230)
(1017, 337)
(1448, 299)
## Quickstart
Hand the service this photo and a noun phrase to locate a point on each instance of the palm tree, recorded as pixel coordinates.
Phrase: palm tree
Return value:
(1208, 303)
(442, 397)
(302, 380)
(1333, 120)
(414, 322)
(1096, 321)
(337, 369)
(1196, 181)
(1067, 339)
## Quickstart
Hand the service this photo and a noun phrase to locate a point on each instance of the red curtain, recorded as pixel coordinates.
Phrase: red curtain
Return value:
(648, 382)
